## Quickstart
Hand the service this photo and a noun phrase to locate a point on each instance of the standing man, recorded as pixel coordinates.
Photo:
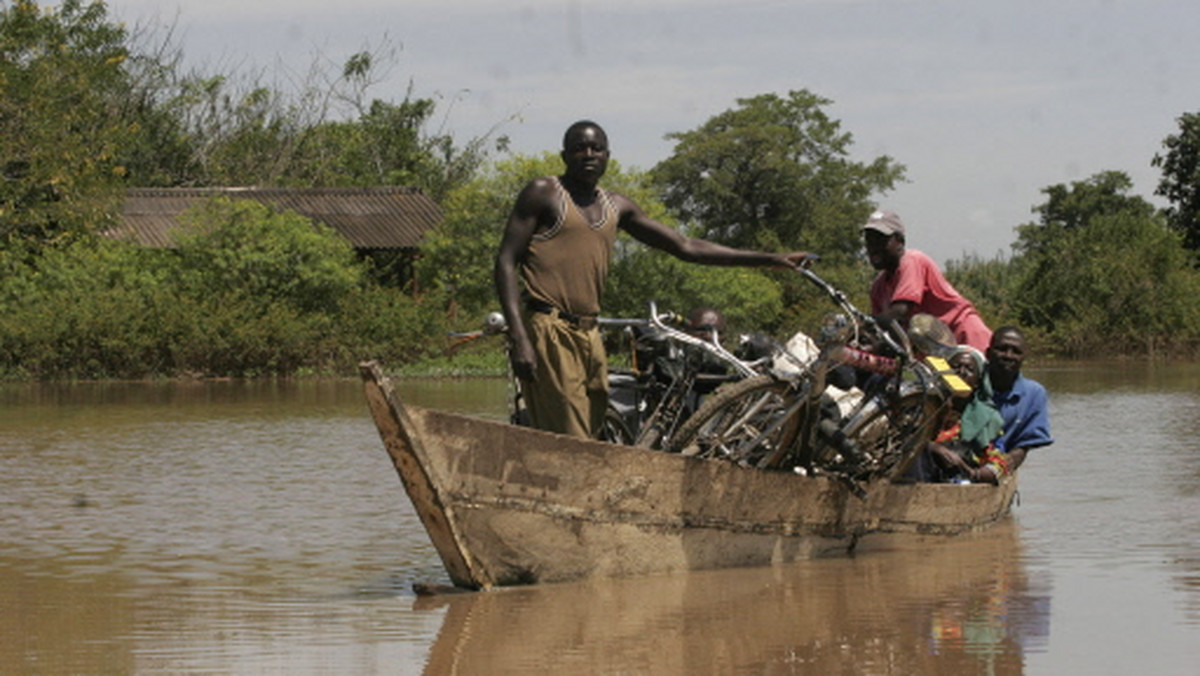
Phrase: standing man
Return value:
(558, 241)
(1023, 403)
(909, 282)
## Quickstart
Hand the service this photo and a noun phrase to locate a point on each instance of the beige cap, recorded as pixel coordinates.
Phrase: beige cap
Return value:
(886, 222)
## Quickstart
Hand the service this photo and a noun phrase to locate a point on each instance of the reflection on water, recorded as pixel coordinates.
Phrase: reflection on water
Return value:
(962, 607)
(232, 527)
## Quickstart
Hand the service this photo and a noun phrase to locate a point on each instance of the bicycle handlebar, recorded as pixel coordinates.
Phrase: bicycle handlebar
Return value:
(656, 320)
(711, 345)
(895, 340)
(495, 324)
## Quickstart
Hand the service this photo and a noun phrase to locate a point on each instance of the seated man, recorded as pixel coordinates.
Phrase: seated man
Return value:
(704, 321)
(1022, 402)
(707, 324)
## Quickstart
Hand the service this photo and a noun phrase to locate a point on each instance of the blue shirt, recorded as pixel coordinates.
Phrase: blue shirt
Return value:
(1025, 409)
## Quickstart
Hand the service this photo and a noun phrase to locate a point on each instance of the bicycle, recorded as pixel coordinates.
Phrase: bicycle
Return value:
(672, 371)
(669, 378)
(785, 420)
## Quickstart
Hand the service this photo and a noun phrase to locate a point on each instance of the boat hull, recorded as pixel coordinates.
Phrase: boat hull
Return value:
(509, 505)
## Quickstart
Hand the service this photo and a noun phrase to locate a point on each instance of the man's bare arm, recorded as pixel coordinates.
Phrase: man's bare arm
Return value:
(652, 233)
(528, 211)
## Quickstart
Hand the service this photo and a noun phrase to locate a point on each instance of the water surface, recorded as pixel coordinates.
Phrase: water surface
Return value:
(259, 528)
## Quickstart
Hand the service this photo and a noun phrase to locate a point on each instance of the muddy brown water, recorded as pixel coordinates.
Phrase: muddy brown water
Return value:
(259, 528)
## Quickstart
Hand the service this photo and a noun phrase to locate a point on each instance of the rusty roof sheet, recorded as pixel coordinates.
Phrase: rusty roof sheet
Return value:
(369, 218)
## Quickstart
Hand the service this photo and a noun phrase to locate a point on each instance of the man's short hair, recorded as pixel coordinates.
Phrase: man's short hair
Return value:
(1007, 329)
(706, 318)
(581, 124)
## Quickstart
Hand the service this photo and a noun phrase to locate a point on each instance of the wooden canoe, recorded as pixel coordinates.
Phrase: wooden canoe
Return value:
(508, 505)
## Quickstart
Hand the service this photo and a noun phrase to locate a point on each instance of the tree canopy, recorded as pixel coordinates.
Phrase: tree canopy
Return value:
(88, 107)
(61, 131)
(1180, 183)
(775, 172)
(1100, 271)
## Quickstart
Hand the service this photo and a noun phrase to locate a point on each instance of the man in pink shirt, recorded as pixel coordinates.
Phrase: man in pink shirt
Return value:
(909, 282)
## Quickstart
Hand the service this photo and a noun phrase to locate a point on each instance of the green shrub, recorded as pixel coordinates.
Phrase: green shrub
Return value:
(385, 324)
(250, 292)
(85, 310)
(244, 247)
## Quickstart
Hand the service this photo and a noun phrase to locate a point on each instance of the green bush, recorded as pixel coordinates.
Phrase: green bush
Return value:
(385, 324)
(268, 256)
(251, 292)
(85, 310)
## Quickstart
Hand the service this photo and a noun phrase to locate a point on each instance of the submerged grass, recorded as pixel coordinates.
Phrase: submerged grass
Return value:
(464, 365)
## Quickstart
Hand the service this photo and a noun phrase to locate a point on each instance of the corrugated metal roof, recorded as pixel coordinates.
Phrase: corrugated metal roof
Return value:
(369, 218)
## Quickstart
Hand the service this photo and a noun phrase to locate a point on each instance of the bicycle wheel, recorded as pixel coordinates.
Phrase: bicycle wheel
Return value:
(614, 429)
(884, 433)
(746, 422)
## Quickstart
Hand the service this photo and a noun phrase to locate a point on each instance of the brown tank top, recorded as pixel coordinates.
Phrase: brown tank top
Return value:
(567, 264)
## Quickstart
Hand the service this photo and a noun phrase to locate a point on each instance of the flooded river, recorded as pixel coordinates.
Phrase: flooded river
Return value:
(259, 528)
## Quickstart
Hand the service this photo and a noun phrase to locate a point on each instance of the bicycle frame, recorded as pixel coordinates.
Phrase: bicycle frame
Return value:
(907, 377)
(778, 422)
(660, 404)
(653, 426)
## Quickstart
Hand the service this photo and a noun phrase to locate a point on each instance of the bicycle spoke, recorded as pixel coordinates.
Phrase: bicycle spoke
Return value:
(744, 422)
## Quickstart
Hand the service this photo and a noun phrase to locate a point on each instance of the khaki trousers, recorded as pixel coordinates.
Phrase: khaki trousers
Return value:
(571, 391)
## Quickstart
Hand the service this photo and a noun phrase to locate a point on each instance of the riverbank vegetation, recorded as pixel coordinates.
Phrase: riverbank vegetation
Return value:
(89, 108)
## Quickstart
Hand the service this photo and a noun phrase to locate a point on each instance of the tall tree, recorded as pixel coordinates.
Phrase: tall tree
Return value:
(774, 172)
(1101, 272)
(231, 129)
(1069, 208)
(61, 131)
(1180, 182)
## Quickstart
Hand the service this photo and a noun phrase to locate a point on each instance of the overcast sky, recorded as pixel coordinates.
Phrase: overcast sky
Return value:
(986, 103)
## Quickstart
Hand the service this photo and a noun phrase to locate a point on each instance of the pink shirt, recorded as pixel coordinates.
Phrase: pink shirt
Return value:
(918, 280)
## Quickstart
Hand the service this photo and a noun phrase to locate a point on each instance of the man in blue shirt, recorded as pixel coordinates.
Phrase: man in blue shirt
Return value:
(1022, 402)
